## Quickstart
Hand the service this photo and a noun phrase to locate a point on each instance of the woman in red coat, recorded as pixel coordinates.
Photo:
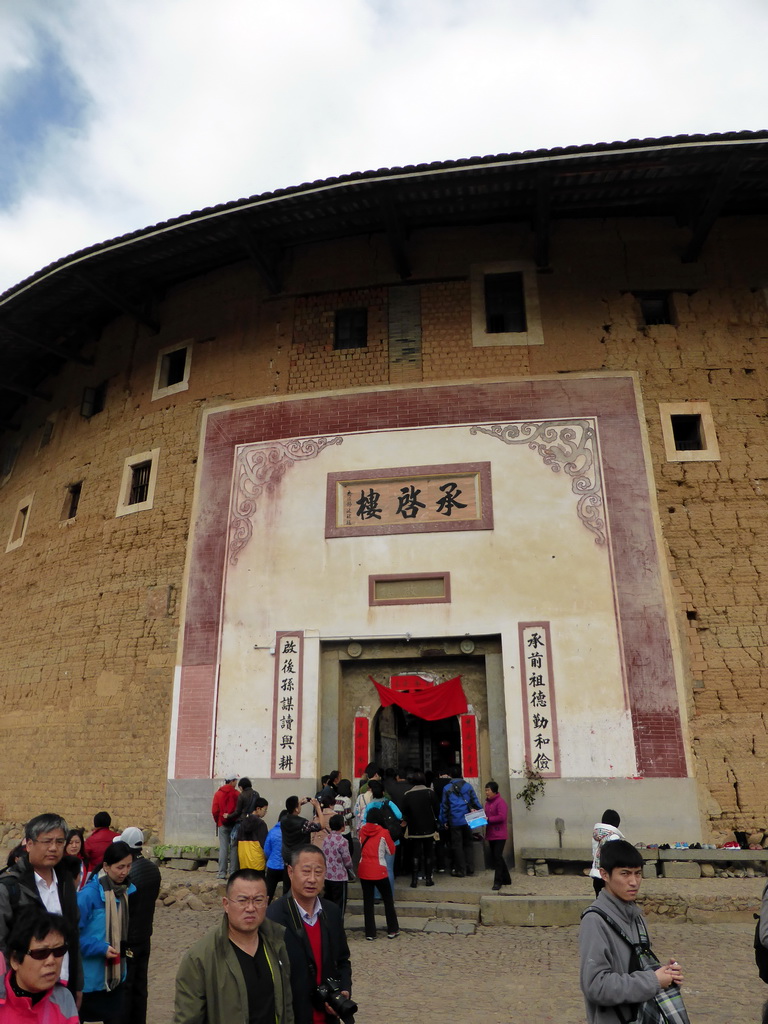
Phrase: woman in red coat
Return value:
(30, 992)
(375, 844)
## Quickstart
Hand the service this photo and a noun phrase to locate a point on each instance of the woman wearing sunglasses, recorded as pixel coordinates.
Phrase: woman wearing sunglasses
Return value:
(103, 905)
(30, 989)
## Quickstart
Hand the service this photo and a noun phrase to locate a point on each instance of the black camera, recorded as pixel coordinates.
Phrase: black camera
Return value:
(330, 992)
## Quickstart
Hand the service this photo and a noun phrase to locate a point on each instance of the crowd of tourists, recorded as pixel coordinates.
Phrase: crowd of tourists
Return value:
(76, 919)
(76, 911)
(398, 822)
(395, 823)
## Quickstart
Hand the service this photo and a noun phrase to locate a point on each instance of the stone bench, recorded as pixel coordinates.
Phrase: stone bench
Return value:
(580, 855)
(674, 863)
(712, 856)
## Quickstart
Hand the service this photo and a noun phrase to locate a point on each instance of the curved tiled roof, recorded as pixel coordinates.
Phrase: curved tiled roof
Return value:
(46, 318)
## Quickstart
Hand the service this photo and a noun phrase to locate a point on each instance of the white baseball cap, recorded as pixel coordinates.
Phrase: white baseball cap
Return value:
(133, 836)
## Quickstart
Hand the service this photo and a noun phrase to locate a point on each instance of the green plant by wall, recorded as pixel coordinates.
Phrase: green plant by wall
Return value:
(534, 786)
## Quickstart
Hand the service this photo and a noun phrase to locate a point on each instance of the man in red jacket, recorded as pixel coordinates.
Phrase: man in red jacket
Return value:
(98, 841)
(224, 803)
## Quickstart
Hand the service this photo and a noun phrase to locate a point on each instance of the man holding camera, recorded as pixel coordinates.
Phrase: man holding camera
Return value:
(321, 972)
(239, 971)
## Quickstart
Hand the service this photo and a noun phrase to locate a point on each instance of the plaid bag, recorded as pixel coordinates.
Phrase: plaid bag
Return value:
(667, 1006)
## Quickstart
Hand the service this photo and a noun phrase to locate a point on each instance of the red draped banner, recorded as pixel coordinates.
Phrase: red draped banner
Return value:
(432, 703)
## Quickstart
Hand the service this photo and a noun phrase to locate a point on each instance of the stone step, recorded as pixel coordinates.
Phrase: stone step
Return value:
(423, 894)
(408, 909)
(354, 922)
(532, 910)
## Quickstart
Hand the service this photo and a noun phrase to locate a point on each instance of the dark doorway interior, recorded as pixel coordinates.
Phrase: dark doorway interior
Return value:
(402, 739)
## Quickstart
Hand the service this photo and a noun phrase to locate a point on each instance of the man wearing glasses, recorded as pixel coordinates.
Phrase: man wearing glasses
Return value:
(239, 971)
(38, 877)
(316, 940)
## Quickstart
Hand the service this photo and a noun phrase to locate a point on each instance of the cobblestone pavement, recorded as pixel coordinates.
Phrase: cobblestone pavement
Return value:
(506, 975)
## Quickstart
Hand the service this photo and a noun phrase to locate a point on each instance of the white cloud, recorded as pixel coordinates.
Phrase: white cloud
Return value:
(193, 103)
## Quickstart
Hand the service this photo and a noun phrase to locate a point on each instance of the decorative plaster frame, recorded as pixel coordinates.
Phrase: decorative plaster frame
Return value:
(258, 470)
(570, 446)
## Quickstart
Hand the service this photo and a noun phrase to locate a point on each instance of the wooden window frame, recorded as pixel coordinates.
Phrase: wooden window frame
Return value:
(348, 311)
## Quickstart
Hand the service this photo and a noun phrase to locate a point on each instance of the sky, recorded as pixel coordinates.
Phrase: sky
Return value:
(117, 114)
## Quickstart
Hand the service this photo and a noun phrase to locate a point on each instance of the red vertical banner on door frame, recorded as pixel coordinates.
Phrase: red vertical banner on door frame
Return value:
(468, 730)
(361, 737)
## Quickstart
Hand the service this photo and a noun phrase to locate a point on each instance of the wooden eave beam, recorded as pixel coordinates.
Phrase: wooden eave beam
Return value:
(115, 299)
(54, 350)
(711, 208)
(19, 389)
(397, 239)
(267, 265)
(543, 221)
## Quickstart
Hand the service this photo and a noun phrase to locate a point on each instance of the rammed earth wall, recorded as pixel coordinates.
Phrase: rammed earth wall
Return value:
(90, 606)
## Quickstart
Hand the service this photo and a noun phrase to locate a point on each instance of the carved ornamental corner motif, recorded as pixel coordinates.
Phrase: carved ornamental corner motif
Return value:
(259, 468)
(569, 446)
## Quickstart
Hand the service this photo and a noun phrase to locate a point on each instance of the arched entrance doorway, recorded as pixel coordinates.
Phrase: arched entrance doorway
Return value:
(404, 740)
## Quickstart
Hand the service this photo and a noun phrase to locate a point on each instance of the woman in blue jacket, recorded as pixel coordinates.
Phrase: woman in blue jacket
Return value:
(103, 905)
(273, 851)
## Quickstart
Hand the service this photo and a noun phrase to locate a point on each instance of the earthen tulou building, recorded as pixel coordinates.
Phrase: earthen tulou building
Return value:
(490, 433)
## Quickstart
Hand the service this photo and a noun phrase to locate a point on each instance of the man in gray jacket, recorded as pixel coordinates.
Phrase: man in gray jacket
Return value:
(612, 989)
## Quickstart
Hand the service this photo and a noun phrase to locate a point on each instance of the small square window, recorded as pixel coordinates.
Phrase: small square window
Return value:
(139, 483)
(71, 501)
(350, 328)
(688, 430)
(504, 304)
(93, 400)
(172, 367)
(45, 437)
(172, 370)
(8, 459)
(655, 308)
(137, 487)
(20, 523)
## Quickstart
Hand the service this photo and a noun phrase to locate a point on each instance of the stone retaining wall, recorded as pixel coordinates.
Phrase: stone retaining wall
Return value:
(700, 909)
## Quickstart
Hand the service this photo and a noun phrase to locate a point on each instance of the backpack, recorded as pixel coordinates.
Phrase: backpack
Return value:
(471, 803)
(392, 823)
(761, 953)
(11, 883)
